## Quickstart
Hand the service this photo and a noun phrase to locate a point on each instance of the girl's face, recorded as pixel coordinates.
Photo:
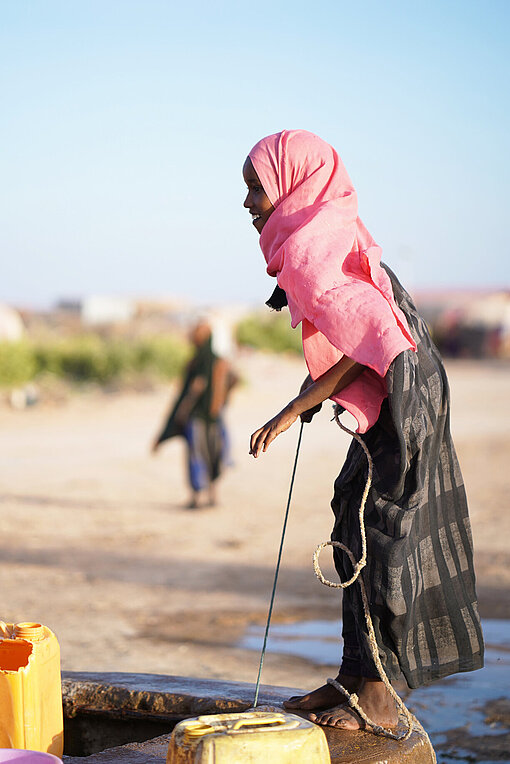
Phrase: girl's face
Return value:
(256, 200)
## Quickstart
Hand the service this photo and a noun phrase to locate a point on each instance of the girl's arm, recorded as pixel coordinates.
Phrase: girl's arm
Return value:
(330, 383)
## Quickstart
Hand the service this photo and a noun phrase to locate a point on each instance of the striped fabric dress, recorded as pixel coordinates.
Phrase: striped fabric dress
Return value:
(419, 576)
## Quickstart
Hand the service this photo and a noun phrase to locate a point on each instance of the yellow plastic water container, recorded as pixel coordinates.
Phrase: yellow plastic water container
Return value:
(30, 689)
(256, 737)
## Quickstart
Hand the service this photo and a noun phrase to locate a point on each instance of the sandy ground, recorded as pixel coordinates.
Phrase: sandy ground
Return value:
(95, 541)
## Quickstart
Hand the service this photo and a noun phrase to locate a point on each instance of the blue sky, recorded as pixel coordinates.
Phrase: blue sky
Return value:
(124, 126)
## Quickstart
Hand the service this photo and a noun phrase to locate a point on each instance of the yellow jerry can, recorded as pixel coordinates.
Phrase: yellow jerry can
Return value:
(30, 689)
(255, 737)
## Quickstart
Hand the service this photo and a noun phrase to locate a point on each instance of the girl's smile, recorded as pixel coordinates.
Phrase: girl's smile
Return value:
(257, 201)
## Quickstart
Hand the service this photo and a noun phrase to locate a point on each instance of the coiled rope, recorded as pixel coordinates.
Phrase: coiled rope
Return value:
(352, 698)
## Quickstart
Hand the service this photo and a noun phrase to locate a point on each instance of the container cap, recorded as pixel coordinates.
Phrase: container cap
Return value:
(27, 757)
(29, 630)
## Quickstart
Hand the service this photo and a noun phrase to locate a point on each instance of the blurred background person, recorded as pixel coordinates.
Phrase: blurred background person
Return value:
(197, 413)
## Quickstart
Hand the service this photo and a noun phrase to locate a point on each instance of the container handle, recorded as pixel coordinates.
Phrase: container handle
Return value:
(196, 729)
(263, 721)
(4, 631)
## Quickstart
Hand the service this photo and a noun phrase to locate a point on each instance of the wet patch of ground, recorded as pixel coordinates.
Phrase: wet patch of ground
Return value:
(235, 628)
(486, 747)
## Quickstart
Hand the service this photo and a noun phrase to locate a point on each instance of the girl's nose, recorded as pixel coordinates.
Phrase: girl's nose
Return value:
(246, 202)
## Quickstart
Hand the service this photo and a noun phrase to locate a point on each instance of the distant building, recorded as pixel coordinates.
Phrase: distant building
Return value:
(12, 328)
(100, 309)
(107, 310)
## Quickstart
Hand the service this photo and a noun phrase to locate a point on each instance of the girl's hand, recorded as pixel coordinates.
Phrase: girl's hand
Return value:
(307, 402)
(263, 437)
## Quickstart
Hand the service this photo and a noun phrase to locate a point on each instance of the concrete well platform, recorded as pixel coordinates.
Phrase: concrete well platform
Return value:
(128, 719)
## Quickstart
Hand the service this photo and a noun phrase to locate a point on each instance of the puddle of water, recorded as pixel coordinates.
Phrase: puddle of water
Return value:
(318, 641)
(458, 701)
(452, 703)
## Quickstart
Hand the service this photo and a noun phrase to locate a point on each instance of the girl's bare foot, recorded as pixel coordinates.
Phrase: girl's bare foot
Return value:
(325, 696)
(374, 700)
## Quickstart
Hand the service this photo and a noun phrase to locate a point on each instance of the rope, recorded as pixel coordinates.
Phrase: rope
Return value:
(352, 698)
(257, 686)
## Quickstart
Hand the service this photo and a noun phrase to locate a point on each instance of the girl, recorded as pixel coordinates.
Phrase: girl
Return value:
(368, 350)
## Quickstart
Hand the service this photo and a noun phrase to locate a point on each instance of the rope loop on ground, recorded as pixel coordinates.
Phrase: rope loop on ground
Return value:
(352, 698)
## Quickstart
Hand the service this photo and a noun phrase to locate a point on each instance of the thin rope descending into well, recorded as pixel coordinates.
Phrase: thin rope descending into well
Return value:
(352, 698)
(270, 612)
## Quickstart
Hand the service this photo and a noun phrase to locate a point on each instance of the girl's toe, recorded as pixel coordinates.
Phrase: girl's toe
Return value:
(295, 699)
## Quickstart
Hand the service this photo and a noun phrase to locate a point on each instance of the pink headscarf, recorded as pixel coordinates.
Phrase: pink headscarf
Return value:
(329, 266)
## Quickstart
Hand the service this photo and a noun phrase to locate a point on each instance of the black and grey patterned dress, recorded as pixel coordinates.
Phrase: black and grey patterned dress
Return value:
(419, 576)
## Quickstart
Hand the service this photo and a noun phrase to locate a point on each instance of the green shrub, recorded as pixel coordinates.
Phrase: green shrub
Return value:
(17, 363)
(164, 356)
(84, 359)
(90, 358)
(272, 332)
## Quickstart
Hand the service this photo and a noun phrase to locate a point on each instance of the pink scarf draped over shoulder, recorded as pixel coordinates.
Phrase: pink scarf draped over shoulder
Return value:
(329, 267)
